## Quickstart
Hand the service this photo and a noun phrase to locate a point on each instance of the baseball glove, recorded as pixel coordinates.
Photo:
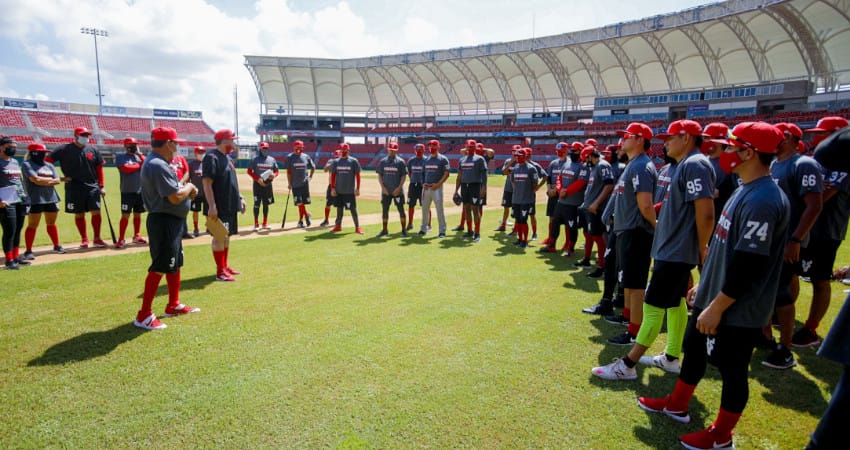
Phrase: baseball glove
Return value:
(457, 199)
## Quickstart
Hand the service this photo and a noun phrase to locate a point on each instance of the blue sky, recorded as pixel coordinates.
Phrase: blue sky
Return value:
(188, 54)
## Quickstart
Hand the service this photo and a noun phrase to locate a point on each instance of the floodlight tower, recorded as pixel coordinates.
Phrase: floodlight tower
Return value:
(95, 33)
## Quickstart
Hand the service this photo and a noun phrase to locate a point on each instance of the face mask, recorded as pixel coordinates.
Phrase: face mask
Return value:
(82, 140)
(419, 152)
(265, 153)
(10, 151)
(228, 148)
(624, 158)
(37, 157)
(729, 160)
(434, 152)
(574, 157)
(520, 159)
(344, 153)
(667, 158)
(133, 149)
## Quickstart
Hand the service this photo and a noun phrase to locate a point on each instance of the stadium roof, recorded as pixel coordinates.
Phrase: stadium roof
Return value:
(737, 42)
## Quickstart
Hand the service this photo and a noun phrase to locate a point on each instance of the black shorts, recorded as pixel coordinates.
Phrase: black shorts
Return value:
(550, 205)
(573, 217)
(507, 199)
(414, 194)
(818, 258)
(230, 223)
(669, 284)
(43, 208)
(81, 199)
(329, 200)
(263, 194)
(470, 193)
(199, 204)
(387, 199)
(592, 223)
(301, 195)
(783, 295)
(522, 212)
(731, 346)
(347, 201)
(633, 253)
(165, 242)
(132, 202)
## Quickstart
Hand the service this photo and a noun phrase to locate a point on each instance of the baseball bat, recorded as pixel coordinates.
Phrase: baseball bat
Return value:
(286, 207)
(109, 220)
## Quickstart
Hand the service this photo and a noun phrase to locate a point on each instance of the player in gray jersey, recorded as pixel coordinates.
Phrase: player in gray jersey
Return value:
(525, 179)
(541, 177)
(435, 175)
(832, 136)
(40, 179)
(726, 183)
(801, 180)
(737, 289)
(263, 170)
(600, 184)
(681, 238)
(572, 179)
(13, 203)
(507, 192)
(329, 199)
(416, 171)
(553, 172)
(299, 172)
(345, 186)
(634, 222)
(129, 166)
(470, 185)
(392, 171)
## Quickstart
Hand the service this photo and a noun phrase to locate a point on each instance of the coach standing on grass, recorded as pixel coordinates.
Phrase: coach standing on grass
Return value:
(221, 189)
(82, 167)
(167, 203)
(436, 173)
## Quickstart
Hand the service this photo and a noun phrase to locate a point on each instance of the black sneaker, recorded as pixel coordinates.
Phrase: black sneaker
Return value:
(476, 237)
(300, 224)
(523, 244)
(421, 233)
(534, 237)
(766, 343)
(622, 339)
(617, 319)
(467, 235)
(12, 265)
(603, 308)
(324, 223)
(500, 229)
(308, 219)
(29, 256)
(583, 263)
(457, 228)
(404, 233)
(59, 249)
(441, 235)
(22, 262)
(781, 358)
(805, 337)
(409, 227)
(598, 273)
(383, 233)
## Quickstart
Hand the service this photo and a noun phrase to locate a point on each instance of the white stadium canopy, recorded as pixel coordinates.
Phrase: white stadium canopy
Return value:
(731, 43)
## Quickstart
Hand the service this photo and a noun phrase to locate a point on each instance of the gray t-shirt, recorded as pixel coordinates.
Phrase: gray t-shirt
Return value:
(473, 169)
(570, 173)
(676, 238)
(662, 183)
(554, 171)
(260, 164)
(299, 167)
(391, 172)
(524, 178)
(797, 176)
(755, 220)
(39, 195)
(601, 175)
(435, 167)
(416, 170)
(158, 182)
(10, 175)
(640, 176)
(346, 170)
(131, 183)
(509, 187)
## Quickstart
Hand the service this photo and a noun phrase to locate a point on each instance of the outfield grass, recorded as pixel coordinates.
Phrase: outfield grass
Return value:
(347, 341)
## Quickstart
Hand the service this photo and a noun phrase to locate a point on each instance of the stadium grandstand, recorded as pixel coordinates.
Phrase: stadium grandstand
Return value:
(732, 61)
(52, 123)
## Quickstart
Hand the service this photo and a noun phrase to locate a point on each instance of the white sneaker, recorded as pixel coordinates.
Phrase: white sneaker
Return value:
(617, 370)
(660, 360)
(256, 228)
(150, 323)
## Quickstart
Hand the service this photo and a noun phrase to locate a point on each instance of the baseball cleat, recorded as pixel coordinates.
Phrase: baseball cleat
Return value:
(121, 245)
(59, 249)
(99, 243)
(139, 240)
(307, 219)
(29, 256)
(358, 230)
(180, 310)
(336, 229)
(224, 276)
(84, 243)
(150, 323)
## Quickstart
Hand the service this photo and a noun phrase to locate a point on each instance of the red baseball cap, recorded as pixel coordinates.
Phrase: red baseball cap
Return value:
(298, 144)
(528, 151)
(433, 142)
(637, 129)
(222, 135)
(681, 127)
(470, 143)
(200, 149)
(392, 146)
(264, 145)
(576, 146)
(343, 146)
(36, 147)
(801, 147)
(790, 128)
(587, 152)
(716, 130)
(479, 146)
(130, 141)
(516, 147)
(830, 124)
(419, 147)
(82, 131)
(165, 134)
(592, 142)
(759, 136)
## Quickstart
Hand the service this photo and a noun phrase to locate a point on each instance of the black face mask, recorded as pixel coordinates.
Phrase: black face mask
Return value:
(574, 157)
(624, 158)
(10, 151)
(264, 153)
(667, 158)
(133, 149)
(37, 157)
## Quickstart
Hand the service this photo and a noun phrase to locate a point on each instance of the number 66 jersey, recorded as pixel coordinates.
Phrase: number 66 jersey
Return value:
(797, 176)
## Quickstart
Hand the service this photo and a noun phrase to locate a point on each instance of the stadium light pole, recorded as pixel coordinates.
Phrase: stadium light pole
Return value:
(95, 33)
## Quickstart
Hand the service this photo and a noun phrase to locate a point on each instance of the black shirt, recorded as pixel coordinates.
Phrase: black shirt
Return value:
(78, 163)
(225, 187)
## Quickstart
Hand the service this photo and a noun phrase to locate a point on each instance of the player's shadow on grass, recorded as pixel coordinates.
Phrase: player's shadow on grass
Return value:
(454, 240)
(507, 246)
(326, 236)
(87, 346)
(581, 281)
(807, 397)
(185, 285)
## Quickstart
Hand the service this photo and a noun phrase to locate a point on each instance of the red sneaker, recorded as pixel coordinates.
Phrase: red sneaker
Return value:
(232, 271)
(548, 249)
(84, 244)
(139, 240)
(224, 276)
(660, 405)
(180, 310)
(121, 244)
(336, 229)
(705, 440)
(358, 230)
(99, 243)
(149, 323)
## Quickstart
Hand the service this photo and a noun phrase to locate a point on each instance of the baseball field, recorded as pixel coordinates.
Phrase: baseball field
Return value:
(349, 341)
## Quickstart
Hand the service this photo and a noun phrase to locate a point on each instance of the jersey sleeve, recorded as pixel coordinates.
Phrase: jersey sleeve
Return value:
(164, 180)
(607, 174)
(209, 167)
(809, 177)
(28, 171)
(644, 179)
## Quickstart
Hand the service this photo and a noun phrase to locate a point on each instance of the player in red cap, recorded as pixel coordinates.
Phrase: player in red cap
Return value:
(180, 165)
(471, 186)
(737, 288)
(299, 172)
(553, 173)
(13, 203)
(831, 141)
(129, 166)
(263, 170)
(40, 179)
(221, 189)
(392, 171)
(330, 200)
(196, 177)
(167, 202)
(468, 150)
(82, 167)
(416, 170)
(507, 193)
(525, 180)
(600, 184)
(345, 186)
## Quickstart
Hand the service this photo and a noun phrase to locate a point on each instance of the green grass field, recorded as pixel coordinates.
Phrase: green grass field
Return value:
(347, 341)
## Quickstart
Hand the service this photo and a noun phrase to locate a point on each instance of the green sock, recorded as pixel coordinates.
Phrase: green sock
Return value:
(677, 321)
(653, 317)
